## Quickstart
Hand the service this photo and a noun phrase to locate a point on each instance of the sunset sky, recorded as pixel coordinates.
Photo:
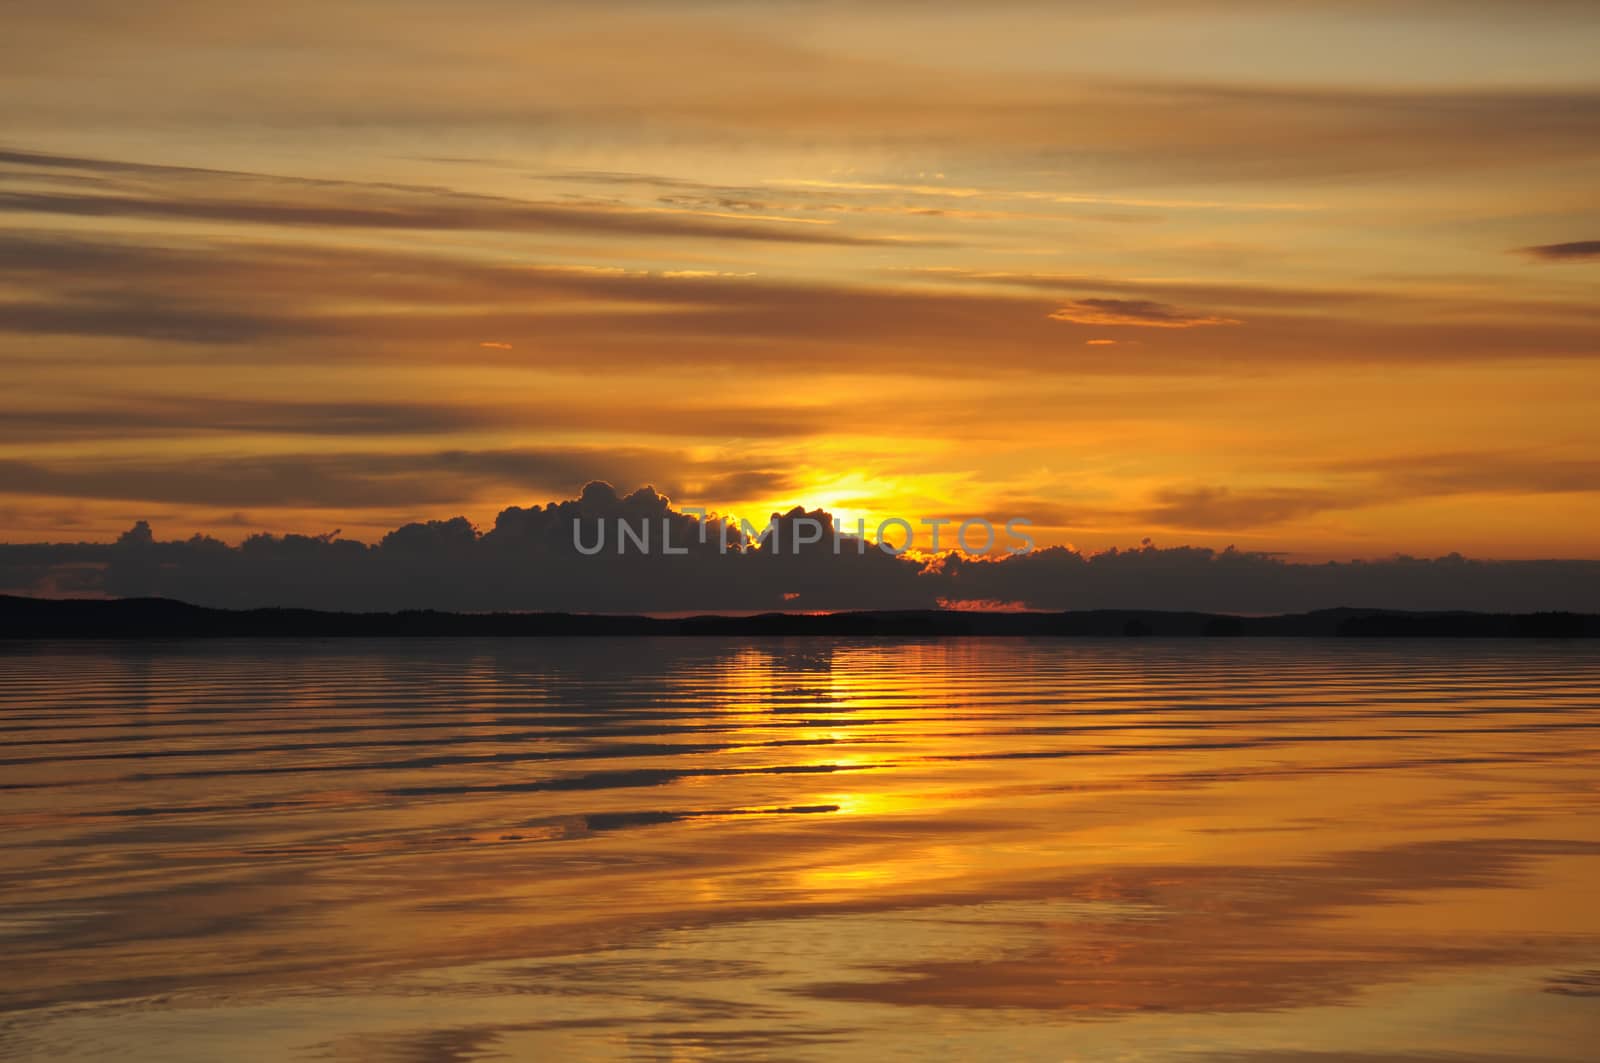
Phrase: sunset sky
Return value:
(1312, 277)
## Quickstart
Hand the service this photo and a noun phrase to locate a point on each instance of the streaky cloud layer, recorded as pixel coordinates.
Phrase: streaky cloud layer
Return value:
(1316, 278)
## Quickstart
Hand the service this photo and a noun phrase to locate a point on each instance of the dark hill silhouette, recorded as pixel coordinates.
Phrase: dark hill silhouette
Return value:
(47, 618)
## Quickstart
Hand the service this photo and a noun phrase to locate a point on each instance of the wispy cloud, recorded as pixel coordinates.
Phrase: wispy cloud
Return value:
(1575, 251)
(317, 301)
(439, 210)
(385, 479)
(1141, 313)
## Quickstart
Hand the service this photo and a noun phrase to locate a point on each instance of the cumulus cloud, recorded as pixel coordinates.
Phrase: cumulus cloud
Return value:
(529, 560)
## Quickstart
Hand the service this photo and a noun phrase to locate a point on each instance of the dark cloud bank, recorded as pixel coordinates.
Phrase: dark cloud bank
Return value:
(527, 561)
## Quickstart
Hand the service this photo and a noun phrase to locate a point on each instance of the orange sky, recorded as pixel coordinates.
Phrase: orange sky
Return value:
(1213, 273)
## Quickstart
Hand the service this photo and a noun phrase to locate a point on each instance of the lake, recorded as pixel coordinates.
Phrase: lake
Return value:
(687, 849)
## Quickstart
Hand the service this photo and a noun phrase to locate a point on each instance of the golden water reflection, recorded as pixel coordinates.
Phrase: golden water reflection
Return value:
(808, 849)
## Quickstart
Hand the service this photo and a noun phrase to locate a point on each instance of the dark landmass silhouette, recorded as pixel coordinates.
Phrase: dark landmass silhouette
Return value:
(144, 618)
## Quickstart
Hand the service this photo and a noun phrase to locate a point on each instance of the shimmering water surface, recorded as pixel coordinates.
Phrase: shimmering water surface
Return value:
(809, 850)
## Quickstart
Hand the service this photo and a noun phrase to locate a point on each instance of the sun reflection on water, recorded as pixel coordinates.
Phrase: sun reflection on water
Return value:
(699, 849)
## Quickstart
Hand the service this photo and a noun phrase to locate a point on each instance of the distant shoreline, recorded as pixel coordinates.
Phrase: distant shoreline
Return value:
(135, 618)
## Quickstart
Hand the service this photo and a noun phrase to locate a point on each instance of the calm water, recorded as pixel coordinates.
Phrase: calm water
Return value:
(807, 850)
